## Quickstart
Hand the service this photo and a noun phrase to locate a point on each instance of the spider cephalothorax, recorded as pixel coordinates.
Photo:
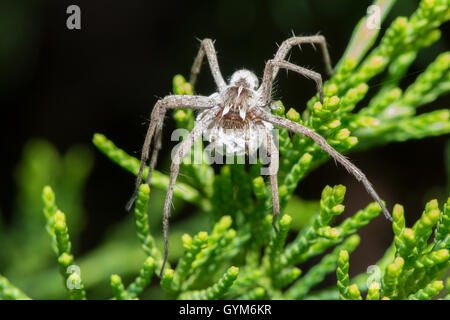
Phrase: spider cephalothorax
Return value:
(237, 120)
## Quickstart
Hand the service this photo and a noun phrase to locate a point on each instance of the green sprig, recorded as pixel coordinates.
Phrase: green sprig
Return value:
(342, 274)
(9, 291)
(143, 280)
(430, 291)
(118, 288)
(391, 276)
(319, 271)
(217, 291)
(142, 226)
(373, 292)
(57, 229)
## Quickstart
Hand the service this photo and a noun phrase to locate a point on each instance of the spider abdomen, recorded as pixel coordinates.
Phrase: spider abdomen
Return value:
(230, 134)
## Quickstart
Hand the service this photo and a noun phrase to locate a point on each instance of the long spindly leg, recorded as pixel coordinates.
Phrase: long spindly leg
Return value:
(178, 156)
(157, 147)
(298, 128)
(272, 149)
(266, 86)
(207, 47)
(156, 119)
(287, 45)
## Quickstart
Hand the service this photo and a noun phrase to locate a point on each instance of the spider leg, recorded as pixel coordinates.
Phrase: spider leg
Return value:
(154, 158)
(156, 120)
(287, 45)
(207, 47)
(273, 172)
(307, 132)
(183, 149)
(266, 86)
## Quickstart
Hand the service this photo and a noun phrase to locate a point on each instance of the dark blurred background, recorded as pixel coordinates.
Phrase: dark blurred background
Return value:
(64, 85)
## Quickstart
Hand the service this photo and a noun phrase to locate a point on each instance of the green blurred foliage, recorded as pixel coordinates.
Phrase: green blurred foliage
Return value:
(241, 256)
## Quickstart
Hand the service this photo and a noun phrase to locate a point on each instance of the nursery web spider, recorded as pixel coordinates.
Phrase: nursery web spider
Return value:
(242, 103)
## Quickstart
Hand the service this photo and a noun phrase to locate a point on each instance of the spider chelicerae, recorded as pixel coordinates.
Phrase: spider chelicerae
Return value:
(244, 105)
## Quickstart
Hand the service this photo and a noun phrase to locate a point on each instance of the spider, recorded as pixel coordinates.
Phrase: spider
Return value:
(240, 104)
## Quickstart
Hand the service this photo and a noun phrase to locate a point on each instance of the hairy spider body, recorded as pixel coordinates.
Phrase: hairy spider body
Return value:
(237, 120)
(237, 128)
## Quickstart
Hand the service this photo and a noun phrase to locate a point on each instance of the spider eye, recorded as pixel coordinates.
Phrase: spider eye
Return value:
(244, 76)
